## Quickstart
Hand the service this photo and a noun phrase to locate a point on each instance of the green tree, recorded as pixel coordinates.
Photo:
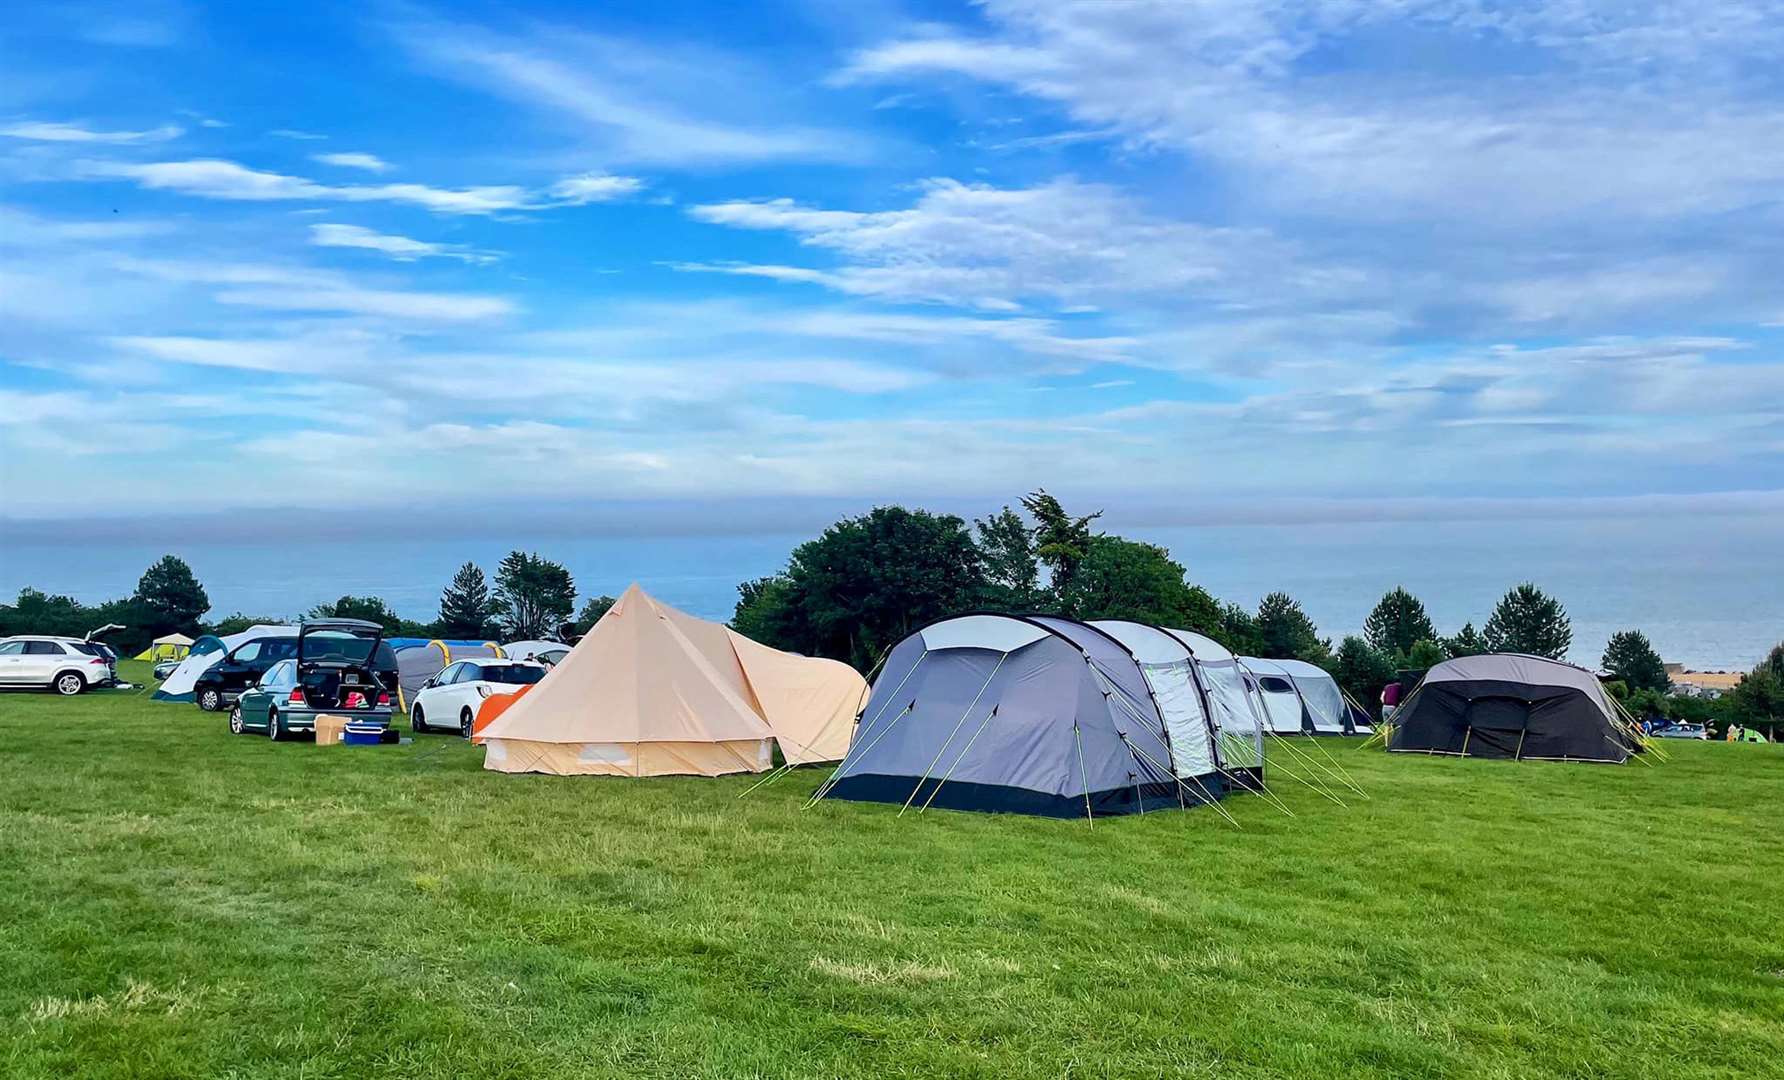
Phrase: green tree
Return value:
(1630, 657)
(1528, 620)
(370, 609)
(1362, 670)
(1467, 642)
(1285, 632)
(1398, 622)
(171, 592)
(1238, 630)
(1126, 579)
(534, 596)
(1758, 699)
(1423, 656)
(1012, 571)
(1061, 541)
(864, 585)
(467, 610)
(36, 612)
(592, 610)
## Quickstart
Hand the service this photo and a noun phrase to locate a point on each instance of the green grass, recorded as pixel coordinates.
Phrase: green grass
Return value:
(175, 901)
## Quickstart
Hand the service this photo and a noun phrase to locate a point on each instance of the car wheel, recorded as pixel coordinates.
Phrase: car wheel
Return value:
(210, 700)
(464, 723)
(275, 728)
(69, 683)
(417, 720)
(235, 720)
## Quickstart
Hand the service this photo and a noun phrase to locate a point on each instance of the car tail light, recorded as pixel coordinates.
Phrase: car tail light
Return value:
(100, 660)
(297, 696)
(384, 697)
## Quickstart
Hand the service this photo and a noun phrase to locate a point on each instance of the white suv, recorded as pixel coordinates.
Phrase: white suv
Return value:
(65, 665)
(450, 699)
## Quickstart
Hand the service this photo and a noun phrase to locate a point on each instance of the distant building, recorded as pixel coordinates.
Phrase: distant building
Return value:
(1702, 684)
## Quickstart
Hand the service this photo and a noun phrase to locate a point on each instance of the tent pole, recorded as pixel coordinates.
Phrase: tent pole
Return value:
(962, 757)
(1083, 776)
(1465, 735)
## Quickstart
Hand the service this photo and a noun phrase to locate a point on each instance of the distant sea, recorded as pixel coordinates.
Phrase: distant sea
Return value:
(1709, 591)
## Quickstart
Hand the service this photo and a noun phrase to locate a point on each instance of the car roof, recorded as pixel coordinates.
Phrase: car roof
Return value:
(341, 624)
(45, 637)
(502, 660)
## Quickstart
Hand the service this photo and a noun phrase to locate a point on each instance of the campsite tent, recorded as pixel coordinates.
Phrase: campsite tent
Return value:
(1021, 715)
(651, 691)
(207, 650)
(418, 661)
(1324, 711)
(1232, 700)
(1507, 705)
(167, 647)
(1283, 708)
(1170, 675)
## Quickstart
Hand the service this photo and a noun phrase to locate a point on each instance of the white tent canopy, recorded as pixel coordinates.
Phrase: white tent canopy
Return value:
(1319, 692)
(178, 685)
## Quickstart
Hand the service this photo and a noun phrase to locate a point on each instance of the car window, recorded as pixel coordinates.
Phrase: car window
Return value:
(336, 645)
(446, 677)
(86, 647)
(12, 648)
(471, 673)
(283, 649)
(247, 653)
(280, 676)
(513, 674)
(42, 648)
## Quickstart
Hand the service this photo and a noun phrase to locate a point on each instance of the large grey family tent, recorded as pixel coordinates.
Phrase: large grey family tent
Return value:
(1507, 705)
(1284, 711)
(206, 651)
(652, 691)
(1324, 711)
(418, 660)
(1180, 685)
(1233, 701)
(1033, 715)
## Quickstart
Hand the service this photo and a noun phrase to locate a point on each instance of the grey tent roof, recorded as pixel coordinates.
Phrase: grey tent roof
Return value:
(1510, 705)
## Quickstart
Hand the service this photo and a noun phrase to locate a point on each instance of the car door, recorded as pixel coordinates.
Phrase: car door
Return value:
(12, 662)
(436, 698)
(268, 694)
(464, 690)
(43, 659)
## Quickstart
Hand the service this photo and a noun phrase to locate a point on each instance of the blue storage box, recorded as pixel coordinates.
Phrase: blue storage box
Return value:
(362, 734)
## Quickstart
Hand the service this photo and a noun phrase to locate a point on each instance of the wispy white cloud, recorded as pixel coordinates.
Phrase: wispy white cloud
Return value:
(49, 131)
(294, 133)
(400, 248)
(637, 101)
(595, 187)
(368, 162)
(212, 178)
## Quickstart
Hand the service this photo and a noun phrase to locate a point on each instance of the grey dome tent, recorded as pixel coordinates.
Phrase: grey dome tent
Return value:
(1232, 700)
(1015, 714)
(1507, 705)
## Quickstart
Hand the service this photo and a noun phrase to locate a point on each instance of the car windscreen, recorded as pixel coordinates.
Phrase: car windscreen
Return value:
(516, 674)
(337, 646)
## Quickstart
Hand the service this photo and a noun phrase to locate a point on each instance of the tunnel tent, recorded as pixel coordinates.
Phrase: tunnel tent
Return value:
(653, 691)
(418, 660)
(1232, 702)
(1325, 710)
(1014, 714)
(1508, 705)
(167, 647)
(206, 651)
(1284, 710)
(1169, 670)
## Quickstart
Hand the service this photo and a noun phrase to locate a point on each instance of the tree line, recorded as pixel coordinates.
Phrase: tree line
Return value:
(531, 597)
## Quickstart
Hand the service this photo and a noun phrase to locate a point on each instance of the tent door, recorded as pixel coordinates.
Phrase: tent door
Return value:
(1496, 726)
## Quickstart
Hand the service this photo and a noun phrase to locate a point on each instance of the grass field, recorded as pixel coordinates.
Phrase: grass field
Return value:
(175, 901)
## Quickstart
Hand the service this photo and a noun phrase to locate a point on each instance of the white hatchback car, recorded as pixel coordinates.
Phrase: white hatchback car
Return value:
(65, 665)
(450, 699)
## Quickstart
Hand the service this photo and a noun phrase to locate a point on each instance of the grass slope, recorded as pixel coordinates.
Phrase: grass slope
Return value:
(180, 902)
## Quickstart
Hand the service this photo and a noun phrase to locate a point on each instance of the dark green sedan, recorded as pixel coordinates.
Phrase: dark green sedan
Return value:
(276, 706)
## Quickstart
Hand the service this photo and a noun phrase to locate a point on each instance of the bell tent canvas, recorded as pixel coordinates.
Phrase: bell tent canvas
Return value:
(653, 691)
(1507, 705)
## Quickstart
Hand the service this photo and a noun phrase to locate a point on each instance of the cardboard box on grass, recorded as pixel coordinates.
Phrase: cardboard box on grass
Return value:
(328, 729)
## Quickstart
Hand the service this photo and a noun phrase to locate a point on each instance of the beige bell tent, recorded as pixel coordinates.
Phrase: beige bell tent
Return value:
(652, 691)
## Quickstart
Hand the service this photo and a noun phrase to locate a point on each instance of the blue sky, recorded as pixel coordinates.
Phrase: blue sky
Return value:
(1174, 253)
